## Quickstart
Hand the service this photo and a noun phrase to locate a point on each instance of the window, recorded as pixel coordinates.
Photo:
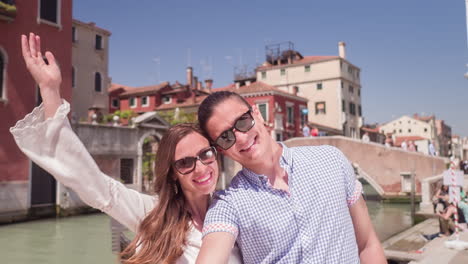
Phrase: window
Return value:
(283, 72)
(394, 131)
(307, 68)
(279, 136)
(115, 102)
(73, 77)
(49, 11)
(263, 75)
(74, 36)
(352, 108)
(320, 108)
(166, 99)
(359, 92)
(343, 106)
(350, 69)
(145, 101)
(263, 108)
(409, 130)
(97, 82)
(351, 89)
(399, 131)
(2, 75)
(132, 102)
(359, 110)
(290, 113)
(98, 45)
(342, 84)
(126, 171)
(425, 129)
(319, 86)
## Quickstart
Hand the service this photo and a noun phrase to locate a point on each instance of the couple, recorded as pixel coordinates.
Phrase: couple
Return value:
(288, 205)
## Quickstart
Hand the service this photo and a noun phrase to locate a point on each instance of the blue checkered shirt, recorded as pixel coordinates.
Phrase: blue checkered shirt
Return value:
(310, 224)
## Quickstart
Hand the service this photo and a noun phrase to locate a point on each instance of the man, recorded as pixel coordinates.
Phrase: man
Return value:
(288, 205)
(404, 145)
(365, 137)
(432, 151)
(306, 131)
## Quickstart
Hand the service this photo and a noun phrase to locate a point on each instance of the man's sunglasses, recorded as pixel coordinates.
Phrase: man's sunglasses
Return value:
(243, 124)
(187, 165)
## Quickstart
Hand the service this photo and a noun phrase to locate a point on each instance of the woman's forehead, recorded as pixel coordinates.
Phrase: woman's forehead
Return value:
(191, 145)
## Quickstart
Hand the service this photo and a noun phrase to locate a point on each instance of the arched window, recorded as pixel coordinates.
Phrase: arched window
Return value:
(97, 82)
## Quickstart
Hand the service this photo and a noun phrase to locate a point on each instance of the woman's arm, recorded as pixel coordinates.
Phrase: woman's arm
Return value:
(46, 137)
(47, 76)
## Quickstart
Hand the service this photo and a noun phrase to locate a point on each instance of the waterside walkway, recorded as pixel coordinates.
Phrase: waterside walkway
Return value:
(410, 247)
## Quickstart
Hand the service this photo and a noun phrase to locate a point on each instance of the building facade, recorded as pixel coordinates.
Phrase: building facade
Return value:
(90, 71)
(161, 97)
(330, 83)
(444, 137)
(23, 184)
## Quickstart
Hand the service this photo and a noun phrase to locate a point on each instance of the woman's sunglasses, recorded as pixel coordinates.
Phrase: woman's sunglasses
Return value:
(243, 124)
(187, 165)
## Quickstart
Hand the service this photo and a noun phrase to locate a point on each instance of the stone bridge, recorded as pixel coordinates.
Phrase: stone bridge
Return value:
(386, 169)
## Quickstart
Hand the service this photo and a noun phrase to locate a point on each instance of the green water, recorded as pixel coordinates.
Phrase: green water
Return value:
(87, 238)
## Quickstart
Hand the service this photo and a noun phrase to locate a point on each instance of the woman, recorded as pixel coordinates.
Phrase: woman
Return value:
(168, 227)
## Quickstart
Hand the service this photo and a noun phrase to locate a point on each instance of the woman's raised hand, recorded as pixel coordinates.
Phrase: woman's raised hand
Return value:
(47, 75)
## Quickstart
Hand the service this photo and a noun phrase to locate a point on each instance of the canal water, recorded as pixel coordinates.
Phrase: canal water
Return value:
(87, 238)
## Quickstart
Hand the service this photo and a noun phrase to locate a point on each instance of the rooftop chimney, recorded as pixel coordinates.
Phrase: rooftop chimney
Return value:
(195, 82)
(190, 76)
(209, 84)
(341, 49)
(199, 86)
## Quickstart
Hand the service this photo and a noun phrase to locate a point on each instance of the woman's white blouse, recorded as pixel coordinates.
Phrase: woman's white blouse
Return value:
(54, 146)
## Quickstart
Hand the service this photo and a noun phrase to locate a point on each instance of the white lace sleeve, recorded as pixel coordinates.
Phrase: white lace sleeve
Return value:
(54, 146)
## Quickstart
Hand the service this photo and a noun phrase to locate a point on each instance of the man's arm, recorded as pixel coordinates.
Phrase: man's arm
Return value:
(370, 249)
(216, 248)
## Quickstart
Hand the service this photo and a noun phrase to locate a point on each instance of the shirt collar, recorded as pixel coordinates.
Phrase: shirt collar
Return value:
(285, 162)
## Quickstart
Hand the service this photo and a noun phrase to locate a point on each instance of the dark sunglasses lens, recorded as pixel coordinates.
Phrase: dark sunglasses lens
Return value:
(185, 165)
(244, 123)
(226, 139)
(207, 156)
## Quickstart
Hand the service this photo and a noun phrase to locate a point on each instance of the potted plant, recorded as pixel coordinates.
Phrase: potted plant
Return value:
(7, 8)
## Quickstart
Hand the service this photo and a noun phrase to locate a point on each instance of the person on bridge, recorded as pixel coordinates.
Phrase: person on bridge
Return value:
(287, 205)
(168, 226)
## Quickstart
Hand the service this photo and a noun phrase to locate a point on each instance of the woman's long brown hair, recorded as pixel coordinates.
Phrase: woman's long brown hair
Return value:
(162, 235)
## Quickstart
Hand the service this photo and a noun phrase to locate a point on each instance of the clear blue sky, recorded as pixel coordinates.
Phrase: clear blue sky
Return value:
(412, 53)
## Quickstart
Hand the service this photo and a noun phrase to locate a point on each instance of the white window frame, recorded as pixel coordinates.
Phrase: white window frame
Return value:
(147, 101)
(75, 34)
(135, 102)
(267, 116)
(94, 81)
(115, 99)
(3, 95)
(59, 15)
(102, 42)
(166, 102)
(290, 105)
